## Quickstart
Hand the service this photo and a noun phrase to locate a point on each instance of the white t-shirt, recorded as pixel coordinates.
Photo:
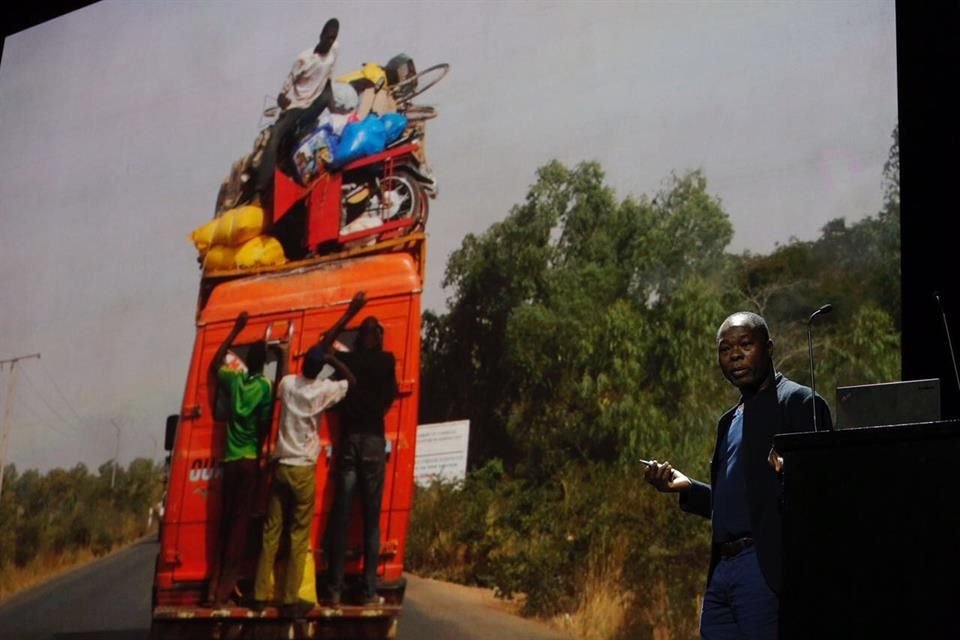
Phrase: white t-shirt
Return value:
(308, 77)
(302, 400)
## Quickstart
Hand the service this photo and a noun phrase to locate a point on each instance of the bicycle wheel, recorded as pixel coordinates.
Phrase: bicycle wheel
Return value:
(406, 90)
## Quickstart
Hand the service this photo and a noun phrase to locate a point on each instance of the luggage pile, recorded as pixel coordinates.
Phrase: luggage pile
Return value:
(335, 143)
(360, 200)
(235, 240)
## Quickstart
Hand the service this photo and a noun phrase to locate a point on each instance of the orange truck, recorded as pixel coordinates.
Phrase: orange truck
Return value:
(290, 306)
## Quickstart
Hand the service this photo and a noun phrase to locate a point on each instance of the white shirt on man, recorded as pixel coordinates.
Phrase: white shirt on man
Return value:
(302, 400)
(308, 77)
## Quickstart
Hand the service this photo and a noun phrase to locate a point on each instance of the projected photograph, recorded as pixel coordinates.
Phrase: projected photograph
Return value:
(249, 248)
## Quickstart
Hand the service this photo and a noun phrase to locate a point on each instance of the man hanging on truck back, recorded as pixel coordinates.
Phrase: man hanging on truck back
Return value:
(250, 397)
(303, 399)
(361, 456)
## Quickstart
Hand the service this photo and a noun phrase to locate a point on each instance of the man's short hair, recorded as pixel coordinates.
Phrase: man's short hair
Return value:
(745, 319)
(369, 327)
(256, 357)
(331, 25)
(313, 362)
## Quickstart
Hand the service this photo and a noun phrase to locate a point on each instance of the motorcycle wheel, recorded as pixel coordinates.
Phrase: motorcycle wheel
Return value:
(403, 198)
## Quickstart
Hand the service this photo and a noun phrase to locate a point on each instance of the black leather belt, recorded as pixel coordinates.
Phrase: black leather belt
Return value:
(732, 548)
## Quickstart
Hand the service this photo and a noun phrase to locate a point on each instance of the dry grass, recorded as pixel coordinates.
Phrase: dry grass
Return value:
(14, 579)
(605, 604)
(656, 610)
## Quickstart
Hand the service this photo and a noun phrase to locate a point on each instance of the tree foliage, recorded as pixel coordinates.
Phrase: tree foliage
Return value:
(63, 511)
(563, 327)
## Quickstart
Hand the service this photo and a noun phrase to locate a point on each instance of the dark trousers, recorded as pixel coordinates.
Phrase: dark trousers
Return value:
(238, 491)
(283, 129)
(361, 460)
(739, 605)
(289, 126)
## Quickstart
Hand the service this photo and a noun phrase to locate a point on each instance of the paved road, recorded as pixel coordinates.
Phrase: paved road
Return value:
(110, 600)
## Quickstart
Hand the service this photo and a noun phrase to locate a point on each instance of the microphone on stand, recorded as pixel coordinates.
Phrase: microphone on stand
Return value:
(827, 308)
(946, 328)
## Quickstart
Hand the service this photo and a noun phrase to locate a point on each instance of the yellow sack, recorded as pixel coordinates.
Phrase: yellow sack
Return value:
(220, 259)
(308, 586)
(202, 237)
(238, 225)
(262, 251)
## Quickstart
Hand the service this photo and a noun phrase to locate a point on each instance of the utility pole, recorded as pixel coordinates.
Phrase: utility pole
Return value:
(8, 409)
(116, 455)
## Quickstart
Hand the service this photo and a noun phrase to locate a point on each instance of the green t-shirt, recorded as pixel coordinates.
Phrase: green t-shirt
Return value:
(251, 398)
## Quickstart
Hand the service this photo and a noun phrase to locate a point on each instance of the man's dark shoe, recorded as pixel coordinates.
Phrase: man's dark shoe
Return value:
(298, 610)
(331, 598)
(373, 601)
(260, 605)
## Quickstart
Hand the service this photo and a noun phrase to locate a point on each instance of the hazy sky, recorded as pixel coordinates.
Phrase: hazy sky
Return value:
(119, 121)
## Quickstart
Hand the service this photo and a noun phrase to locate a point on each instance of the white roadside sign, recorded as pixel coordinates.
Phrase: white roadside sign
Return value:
(441, 452)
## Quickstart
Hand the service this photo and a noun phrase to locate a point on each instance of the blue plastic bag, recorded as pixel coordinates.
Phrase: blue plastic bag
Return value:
(394, 124)
(360, 139)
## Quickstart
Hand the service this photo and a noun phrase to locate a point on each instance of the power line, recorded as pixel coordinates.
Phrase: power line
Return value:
(38, 419)
(27, 406)
(35, 417)
(60, 393)
(43, 398)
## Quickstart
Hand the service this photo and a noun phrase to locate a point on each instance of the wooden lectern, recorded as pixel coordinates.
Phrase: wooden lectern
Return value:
(871, 542)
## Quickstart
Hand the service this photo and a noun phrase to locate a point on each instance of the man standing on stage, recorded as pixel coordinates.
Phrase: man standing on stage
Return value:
(743, 496)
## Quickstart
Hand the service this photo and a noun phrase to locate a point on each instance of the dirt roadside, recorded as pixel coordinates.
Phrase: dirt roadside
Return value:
(440, 610)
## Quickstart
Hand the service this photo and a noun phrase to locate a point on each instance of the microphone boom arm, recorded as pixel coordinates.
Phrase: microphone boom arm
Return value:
(946, 328)
(827, 308)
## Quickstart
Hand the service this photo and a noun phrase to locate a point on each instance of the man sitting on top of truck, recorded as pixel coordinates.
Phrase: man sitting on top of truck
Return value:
(304, 95)
(250, 401)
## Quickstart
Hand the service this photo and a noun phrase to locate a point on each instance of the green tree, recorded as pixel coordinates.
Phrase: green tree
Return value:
(50, 516)
(565, 312)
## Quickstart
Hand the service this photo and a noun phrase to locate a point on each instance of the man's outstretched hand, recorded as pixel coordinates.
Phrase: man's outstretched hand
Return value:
(359, 299)
(665, 478)
(242, 320)
(356, 303)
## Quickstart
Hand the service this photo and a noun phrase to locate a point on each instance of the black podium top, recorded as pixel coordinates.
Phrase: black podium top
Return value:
(789, 442)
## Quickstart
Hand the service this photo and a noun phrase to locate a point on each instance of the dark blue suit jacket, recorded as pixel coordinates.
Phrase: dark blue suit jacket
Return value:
(782, 408)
